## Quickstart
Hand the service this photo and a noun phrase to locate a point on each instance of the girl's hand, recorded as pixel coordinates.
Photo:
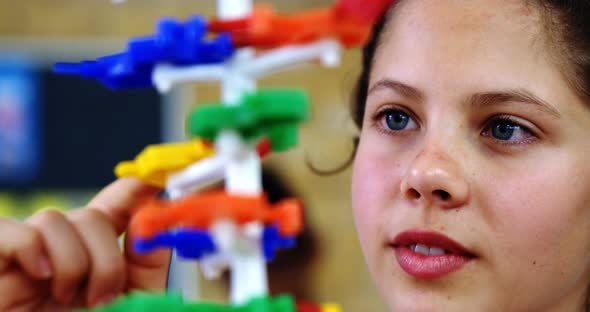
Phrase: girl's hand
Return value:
(56, 262)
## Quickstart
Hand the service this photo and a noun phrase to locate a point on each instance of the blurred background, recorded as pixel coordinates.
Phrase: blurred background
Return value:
(60, 136)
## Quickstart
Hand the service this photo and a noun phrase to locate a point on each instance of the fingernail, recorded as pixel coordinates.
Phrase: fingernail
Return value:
(44, 267)
(104, 300)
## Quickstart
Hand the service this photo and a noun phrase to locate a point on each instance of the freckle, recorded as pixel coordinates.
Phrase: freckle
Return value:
(448, 297)
(534, 262)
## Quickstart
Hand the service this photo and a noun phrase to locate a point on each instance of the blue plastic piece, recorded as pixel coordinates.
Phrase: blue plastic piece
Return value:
(176, 43)
(273, 241)
(193, 244)
(189, 243)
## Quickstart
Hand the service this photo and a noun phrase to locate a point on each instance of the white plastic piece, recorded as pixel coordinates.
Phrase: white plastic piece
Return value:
(224, 234)
(183, 278)
(247, 67)
(243, 166)
(232, 9)
(284, 58)
(202, 173)
(234, 86)
(243, 254)
(183, 275)
(248, 266)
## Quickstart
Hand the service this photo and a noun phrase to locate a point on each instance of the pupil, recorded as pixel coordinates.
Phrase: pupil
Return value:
(397, 121)
(503, 131)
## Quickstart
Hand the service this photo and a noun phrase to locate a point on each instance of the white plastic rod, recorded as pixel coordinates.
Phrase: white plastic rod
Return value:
(246, 64)
(183, 276)
(327, 51)
(202, 173)
(243, 167)
(248, 267)
(232, 9)
(167, 76)
(224, 234)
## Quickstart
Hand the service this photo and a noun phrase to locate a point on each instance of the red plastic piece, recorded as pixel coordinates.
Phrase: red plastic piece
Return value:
(201, 210)
(307, 307)
(266, 29)
(264, 147)
(368, 11)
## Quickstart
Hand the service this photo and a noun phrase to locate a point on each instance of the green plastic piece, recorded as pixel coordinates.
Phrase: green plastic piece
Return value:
(145, 302)
(274, 114)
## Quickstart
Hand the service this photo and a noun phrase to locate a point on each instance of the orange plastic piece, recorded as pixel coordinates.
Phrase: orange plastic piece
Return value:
(201, 210)
(266, 29)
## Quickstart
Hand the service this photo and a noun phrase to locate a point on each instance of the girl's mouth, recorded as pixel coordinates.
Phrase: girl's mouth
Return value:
(429, 255)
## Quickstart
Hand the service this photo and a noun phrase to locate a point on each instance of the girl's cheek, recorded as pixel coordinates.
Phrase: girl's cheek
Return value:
(535, 210)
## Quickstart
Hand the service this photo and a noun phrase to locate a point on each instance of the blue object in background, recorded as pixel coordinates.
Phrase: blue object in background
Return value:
(19, 116)
(176, 43)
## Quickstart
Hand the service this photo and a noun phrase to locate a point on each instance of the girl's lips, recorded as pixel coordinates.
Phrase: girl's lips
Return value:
(423, 266)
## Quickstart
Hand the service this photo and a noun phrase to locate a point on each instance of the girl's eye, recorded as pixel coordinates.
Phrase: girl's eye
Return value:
(396, 120)
(507, 130)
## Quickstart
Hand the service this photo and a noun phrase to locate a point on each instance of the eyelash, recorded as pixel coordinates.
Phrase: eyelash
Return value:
(516, 125)
(381, 122)
(531, 137)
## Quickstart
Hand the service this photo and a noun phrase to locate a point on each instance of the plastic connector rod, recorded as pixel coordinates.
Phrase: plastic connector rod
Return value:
(249, 275)
(243, 171)
(183, 276)
(328, 51)
(232, 9)
(204, 172)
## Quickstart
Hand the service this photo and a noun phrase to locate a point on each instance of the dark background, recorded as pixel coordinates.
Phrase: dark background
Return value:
(85, 129)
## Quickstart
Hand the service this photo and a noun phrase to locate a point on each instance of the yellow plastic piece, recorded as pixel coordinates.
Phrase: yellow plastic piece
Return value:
(330, 307)
(156, 162)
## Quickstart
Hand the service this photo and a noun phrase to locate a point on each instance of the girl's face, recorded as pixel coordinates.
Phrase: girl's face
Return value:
(474, 151)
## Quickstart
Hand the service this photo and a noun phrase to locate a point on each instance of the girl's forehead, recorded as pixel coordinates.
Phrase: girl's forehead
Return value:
(466, 24)
(468, 41)
(473, 14)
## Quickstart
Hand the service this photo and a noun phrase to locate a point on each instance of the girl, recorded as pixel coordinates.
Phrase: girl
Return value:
(470, 187)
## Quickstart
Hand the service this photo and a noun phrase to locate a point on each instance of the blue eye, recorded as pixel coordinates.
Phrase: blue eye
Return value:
(397, 120)
(505, 129)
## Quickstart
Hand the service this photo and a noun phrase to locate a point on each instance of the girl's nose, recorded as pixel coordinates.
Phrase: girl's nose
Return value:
(435, 178)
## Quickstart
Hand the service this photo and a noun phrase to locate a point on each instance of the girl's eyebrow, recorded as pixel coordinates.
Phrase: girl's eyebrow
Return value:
(398, 87)
(522, 96)
(477, 100)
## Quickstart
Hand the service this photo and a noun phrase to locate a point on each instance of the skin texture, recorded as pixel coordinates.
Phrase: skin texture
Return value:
(56, 262)
(521, 205)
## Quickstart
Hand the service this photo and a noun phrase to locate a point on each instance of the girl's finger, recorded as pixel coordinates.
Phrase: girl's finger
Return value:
(67, 253)
(146, 271)
(31, 295)
(119, 199)
(107, 265)
(23, 244)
